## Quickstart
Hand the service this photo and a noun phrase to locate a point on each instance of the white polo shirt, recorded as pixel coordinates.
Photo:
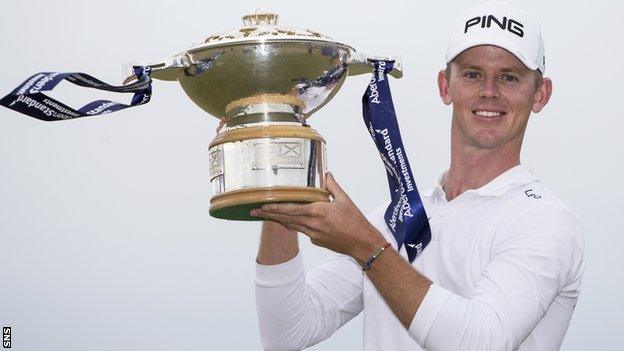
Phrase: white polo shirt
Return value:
(506, 262)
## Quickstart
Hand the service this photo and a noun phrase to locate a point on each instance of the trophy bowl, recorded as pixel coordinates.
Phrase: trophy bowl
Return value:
(264, 81)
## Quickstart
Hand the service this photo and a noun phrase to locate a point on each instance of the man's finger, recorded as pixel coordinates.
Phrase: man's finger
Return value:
(298, 228)
(278, 217)
(290, 209)
(334, 189)
(293, 227)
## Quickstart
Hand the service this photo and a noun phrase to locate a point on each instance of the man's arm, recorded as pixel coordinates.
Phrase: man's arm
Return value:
(348, 232)
(528, 269)
(295, 309)
(278, 244)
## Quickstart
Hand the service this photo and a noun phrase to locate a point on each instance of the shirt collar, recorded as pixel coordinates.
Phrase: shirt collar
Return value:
(498, 186)
(437, 184)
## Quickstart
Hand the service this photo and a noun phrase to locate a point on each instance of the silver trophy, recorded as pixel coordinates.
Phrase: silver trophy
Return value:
(264, 81)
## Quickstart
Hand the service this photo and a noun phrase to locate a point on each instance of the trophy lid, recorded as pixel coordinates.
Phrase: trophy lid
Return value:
(260, 26)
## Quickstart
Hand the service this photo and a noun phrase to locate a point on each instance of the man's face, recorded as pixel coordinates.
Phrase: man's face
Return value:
(492, 94)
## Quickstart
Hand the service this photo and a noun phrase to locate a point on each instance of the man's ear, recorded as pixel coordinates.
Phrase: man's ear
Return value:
(443, 87)
(542, 95)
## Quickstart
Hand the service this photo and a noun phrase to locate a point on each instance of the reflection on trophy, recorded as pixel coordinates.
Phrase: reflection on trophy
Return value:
(264, 81)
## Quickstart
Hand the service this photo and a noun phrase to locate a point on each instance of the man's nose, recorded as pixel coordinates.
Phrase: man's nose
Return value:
(489, 88)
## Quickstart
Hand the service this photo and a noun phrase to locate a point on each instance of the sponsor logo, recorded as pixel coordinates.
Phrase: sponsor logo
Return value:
(380, 71)
(400, 210)
(403, 207)
(387, 143)
(404, 170)
(395, 154)
(102, 108)
(418, 247)
(486, 21)
(44, 107)
(61, 108)
(374, 93)
(40, 84)
(24, 89)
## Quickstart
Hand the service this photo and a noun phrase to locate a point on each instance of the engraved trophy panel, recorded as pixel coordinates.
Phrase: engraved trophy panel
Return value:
(276, 155)
(261, 163)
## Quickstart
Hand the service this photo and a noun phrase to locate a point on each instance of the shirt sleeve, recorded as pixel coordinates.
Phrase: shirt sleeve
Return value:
(534, 255)
(296, 310)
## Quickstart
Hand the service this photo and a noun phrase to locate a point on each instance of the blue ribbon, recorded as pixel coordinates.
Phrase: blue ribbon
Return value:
(29, 99)
(405, 216)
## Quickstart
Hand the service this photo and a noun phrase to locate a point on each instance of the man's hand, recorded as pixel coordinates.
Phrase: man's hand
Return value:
(337, 225)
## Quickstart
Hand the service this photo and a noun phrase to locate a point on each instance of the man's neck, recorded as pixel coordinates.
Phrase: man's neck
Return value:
(472, 168)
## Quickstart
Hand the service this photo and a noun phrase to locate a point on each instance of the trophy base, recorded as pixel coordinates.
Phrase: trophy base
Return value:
(235, 205)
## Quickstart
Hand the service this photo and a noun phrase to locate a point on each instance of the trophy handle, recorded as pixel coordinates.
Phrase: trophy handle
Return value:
(168, 69)
(359, 63)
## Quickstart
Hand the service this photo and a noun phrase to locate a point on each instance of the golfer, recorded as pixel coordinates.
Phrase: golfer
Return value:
(504, 266)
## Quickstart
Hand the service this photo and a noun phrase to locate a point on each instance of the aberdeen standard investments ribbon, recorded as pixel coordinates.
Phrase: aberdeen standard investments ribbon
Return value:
(29, 99)
(405, 216)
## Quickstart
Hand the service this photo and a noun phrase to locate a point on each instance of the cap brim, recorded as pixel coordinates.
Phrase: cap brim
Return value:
(530, 65)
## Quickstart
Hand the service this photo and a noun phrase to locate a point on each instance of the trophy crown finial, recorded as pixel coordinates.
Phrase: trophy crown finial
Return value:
(260, 18)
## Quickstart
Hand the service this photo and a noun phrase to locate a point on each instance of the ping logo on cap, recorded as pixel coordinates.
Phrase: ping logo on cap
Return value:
(508, 24)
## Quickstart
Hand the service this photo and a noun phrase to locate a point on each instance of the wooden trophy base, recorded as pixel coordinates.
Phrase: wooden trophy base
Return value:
(236, 204)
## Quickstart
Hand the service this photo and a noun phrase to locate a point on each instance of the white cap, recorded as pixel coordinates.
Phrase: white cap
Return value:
(501, 24)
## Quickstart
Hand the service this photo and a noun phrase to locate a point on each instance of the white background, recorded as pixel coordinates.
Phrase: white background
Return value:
(105, 238)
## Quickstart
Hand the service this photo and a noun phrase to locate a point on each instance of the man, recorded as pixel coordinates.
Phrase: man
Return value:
(504, 266)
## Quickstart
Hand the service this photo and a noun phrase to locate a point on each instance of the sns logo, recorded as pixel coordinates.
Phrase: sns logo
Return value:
(508, 24)
(6, 337)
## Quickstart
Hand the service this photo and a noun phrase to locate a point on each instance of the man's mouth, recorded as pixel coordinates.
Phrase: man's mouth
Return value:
(488, 114)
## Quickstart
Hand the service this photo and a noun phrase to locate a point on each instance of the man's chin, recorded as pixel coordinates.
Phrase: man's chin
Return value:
(487, 141)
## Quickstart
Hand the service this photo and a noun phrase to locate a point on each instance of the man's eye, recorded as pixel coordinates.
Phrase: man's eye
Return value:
(510, 78)
(472, 75)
